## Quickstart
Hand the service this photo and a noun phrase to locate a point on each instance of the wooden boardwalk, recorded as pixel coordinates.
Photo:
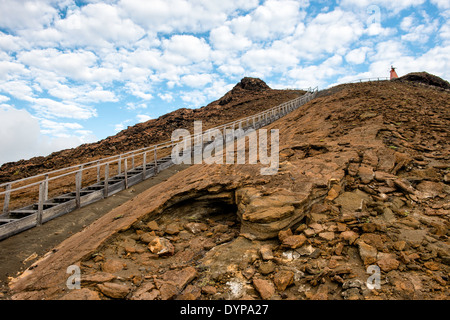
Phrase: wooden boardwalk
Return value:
(128, 174)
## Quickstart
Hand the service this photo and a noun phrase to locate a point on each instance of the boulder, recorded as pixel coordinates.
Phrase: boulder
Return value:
(283, 279)
(196, 227)
(114, 290)
(388, 264)
(266, 252)
(180, 278)
(173, 228)
(366, 174)
(113, 265)
(81, 294)
(265, 288)
(161, 246)
(367, 253)
(262, 217)
(294, 241)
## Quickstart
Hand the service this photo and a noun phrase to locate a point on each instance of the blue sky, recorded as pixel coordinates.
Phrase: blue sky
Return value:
(74, 72)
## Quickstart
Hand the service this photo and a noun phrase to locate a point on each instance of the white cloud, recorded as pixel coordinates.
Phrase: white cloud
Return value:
(167, 16)
(272, 19)
(143, 117)
(10, 43)
(49, 108)
(120, 126)
(444, 33)
(328, 33)
(19, 89)
(11, 70)
(139, 91)
(267, 61)
(58, 129)
(19, 15)
(222, 38)
(22, 137)
(407, 23)
(417, 32)
(232, 69)
(19, 132)
(357, 56)
(393, 6)
(318, 74)
(168, 97)
(441, 4)
(436, 60)
(196, 80)
(197, 98)
(83, 94)
(135, 106)
(79, 65)
(97, 25)
(185, 49)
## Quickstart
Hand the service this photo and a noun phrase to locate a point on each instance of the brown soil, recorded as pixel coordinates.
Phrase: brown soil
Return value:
(363, 182)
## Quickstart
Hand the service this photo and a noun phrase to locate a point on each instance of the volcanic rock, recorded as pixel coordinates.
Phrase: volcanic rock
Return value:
(264, 287)
(425, 78)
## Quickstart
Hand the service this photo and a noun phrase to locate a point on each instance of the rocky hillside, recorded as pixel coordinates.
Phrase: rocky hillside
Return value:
(248, 97)
(363, 190)
(426, 79)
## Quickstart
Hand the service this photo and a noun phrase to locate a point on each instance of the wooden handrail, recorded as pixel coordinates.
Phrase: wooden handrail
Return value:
(142, 151)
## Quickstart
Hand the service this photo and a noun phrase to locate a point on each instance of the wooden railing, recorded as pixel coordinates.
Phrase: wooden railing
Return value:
(130, 167)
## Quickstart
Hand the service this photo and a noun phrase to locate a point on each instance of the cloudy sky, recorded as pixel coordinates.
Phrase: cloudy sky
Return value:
(73, 72)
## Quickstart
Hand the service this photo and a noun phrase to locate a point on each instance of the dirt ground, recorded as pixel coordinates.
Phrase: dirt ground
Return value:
(35, 242)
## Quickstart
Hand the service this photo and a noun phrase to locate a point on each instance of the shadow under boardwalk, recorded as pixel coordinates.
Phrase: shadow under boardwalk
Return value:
(41, 239)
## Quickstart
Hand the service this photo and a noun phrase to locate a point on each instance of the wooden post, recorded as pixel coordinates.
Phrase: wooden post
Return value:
(144, 165)
(120, 165)
(201, 142)
(105, 190)
(156, 161)
(98, 171)
(40, 203)
(125, 169)
(46, 188)
(78, 188)
(7, 198)
(188, 149)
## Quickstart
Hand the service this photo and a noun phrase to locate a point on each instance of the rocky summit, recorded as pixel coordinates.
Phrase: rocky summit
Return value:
(359, 209)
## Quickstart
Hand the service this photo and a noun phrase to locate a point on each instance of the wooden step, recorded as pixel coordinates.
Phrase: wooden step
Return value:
(46, 206)
(4, 221)
(93, 188)
(64, 198)
(22, 213)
